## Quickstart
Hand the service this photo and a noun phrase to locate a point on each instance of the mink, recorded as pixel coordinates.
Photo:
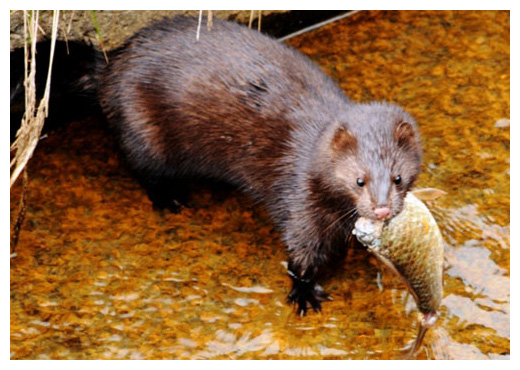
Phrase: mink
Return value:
(237, 106)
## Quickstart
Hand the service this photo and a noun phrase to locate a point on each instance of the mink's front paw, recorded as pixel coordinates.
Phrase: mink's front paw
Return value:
(306, 292)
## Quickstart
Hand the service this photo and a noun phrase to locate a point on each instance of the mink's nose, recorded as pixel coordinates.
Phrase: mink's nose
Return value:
(382, 213)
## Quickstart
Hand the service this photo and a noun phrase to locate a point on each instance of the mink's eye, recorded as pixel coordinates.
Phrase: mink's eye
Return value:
(398, 180)
(360, 182)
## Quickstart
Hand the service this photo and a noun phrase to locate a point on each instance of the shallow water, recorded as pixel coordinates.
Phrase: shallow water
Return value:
(99, 274)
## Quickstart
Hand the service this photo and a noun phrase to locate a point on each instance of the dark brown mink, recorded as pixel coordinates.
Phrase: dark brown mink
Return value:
(238, 106)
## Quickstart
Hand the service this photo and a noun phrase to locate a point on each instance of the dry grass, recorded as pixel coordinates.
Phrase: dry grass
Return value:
(30, 130)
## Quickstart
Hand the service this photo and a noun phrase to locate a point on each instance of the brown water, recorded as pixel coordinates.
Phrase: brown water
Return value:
(99, 274)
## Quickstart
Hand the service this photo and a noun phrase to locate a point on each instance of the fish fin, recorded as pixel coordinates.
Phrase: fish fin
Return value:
(428, 193)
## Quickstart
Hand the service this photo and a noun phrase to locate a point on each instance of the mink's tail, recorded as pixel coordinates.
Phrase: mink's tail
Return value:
(74, 82)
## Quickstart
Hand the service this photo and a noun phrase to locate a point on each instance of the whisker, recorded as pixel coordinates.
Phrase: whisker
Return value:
(351, 212)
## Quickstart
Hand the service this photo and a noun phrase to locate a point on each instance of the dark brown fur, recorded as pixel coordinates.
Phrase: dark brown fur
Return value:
(240, 107)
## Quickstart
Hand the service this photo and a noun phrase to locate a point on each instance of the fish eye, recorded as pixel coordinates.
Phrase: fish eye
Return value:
(398, 180)
(360, 182)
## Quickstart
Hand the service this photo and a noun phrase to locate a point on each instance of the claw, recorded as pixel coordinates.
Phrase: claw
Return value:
(320, 294)
(302, 309)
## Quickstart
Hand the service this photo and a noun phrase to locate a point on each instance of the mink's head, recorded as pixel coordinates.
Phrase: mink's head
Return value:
(375, 158)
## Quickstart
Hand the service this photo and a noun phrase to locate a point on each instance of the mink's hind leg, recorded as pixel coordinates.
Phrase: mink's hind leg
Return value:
(166, 193)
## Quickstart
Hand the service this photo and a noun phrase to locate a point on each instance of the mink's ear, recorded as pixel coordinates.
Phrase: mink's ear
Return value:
(406, 136)
(343, 141)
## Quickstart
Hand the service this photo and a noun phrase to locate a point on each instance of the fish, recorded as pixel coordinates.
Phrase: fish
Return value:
(411, 246)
